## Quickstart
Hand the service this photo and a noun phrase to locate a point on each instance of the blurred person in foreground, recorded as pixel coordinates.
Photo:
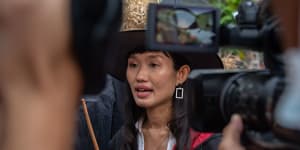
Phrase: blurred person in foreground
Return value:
(43, 68)
(289, 15)
(40, 81)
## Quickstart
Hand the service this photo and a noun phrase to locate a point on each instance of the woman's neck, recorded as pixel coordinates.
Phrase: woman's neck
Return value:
(158, 117)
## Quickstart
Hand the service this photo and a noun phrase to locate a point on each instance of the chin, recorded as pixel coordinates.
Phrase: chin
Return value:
(143, 103)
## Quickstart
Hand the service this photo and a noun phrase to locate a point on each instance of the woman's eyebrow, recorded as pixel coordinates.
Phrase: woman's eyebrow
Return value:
(131, 56)
(155, 56)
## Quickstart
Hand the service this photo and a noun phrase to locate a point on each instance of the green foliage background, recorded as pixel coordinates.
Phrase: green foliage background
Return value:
(227, 10)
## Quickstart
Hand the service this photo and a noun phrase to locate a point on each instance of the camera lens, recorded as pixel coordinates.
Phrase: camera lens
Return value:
(253, 95)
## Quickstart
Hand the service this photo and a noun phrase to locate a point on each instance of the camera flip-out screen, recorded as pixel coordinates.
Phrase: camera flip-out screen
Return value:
(182, 29)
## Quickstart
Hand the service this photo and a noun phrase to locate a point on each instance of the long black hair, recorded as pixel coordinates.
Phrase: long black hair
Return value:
(178, 125)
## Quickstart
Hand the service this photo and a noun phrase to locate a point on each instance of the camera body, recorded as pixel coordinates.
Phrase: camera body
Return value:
(218, 93)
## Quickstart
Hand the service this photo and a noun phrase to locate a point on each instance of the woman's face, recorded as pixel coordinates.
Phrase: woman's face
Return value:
(152, 78)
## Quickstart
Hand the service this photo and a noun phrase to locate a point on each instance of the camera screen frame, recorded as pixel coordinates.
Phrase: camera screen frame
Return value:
(151, 32)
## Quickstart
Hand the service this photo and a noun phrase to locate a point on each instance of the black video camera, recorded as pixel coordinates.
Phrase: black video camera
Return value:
(219, 93)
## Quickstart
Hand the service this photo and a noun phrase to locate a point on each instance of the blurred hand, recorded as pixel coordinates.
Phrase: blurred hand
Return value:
(232, 134)
(39, 79)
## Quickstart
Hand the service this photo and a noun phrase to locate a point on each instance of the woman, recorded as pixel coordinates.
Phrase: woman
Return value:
(154, 115)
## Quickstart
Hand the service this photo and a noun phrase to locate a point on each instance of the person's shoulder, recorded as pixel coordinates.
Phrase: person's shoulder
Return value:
(116, 141)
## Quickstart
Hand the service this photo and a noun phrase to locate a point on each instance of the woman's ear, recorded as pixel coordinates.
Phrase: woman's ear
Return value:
(183, 73)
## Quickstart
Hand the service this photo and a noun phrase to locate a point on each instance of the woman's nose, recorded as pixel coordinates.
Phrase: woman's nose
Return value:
(142, 74)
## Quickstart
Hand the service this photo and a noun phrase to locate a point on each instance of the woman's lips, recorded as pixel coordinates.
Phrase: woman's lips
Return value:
(143, 91)
(143, 95)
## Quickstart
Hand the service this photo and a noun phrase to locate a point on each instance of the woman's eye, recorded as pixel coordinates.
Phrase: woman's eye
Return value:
(154, 65)
(132, 65)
